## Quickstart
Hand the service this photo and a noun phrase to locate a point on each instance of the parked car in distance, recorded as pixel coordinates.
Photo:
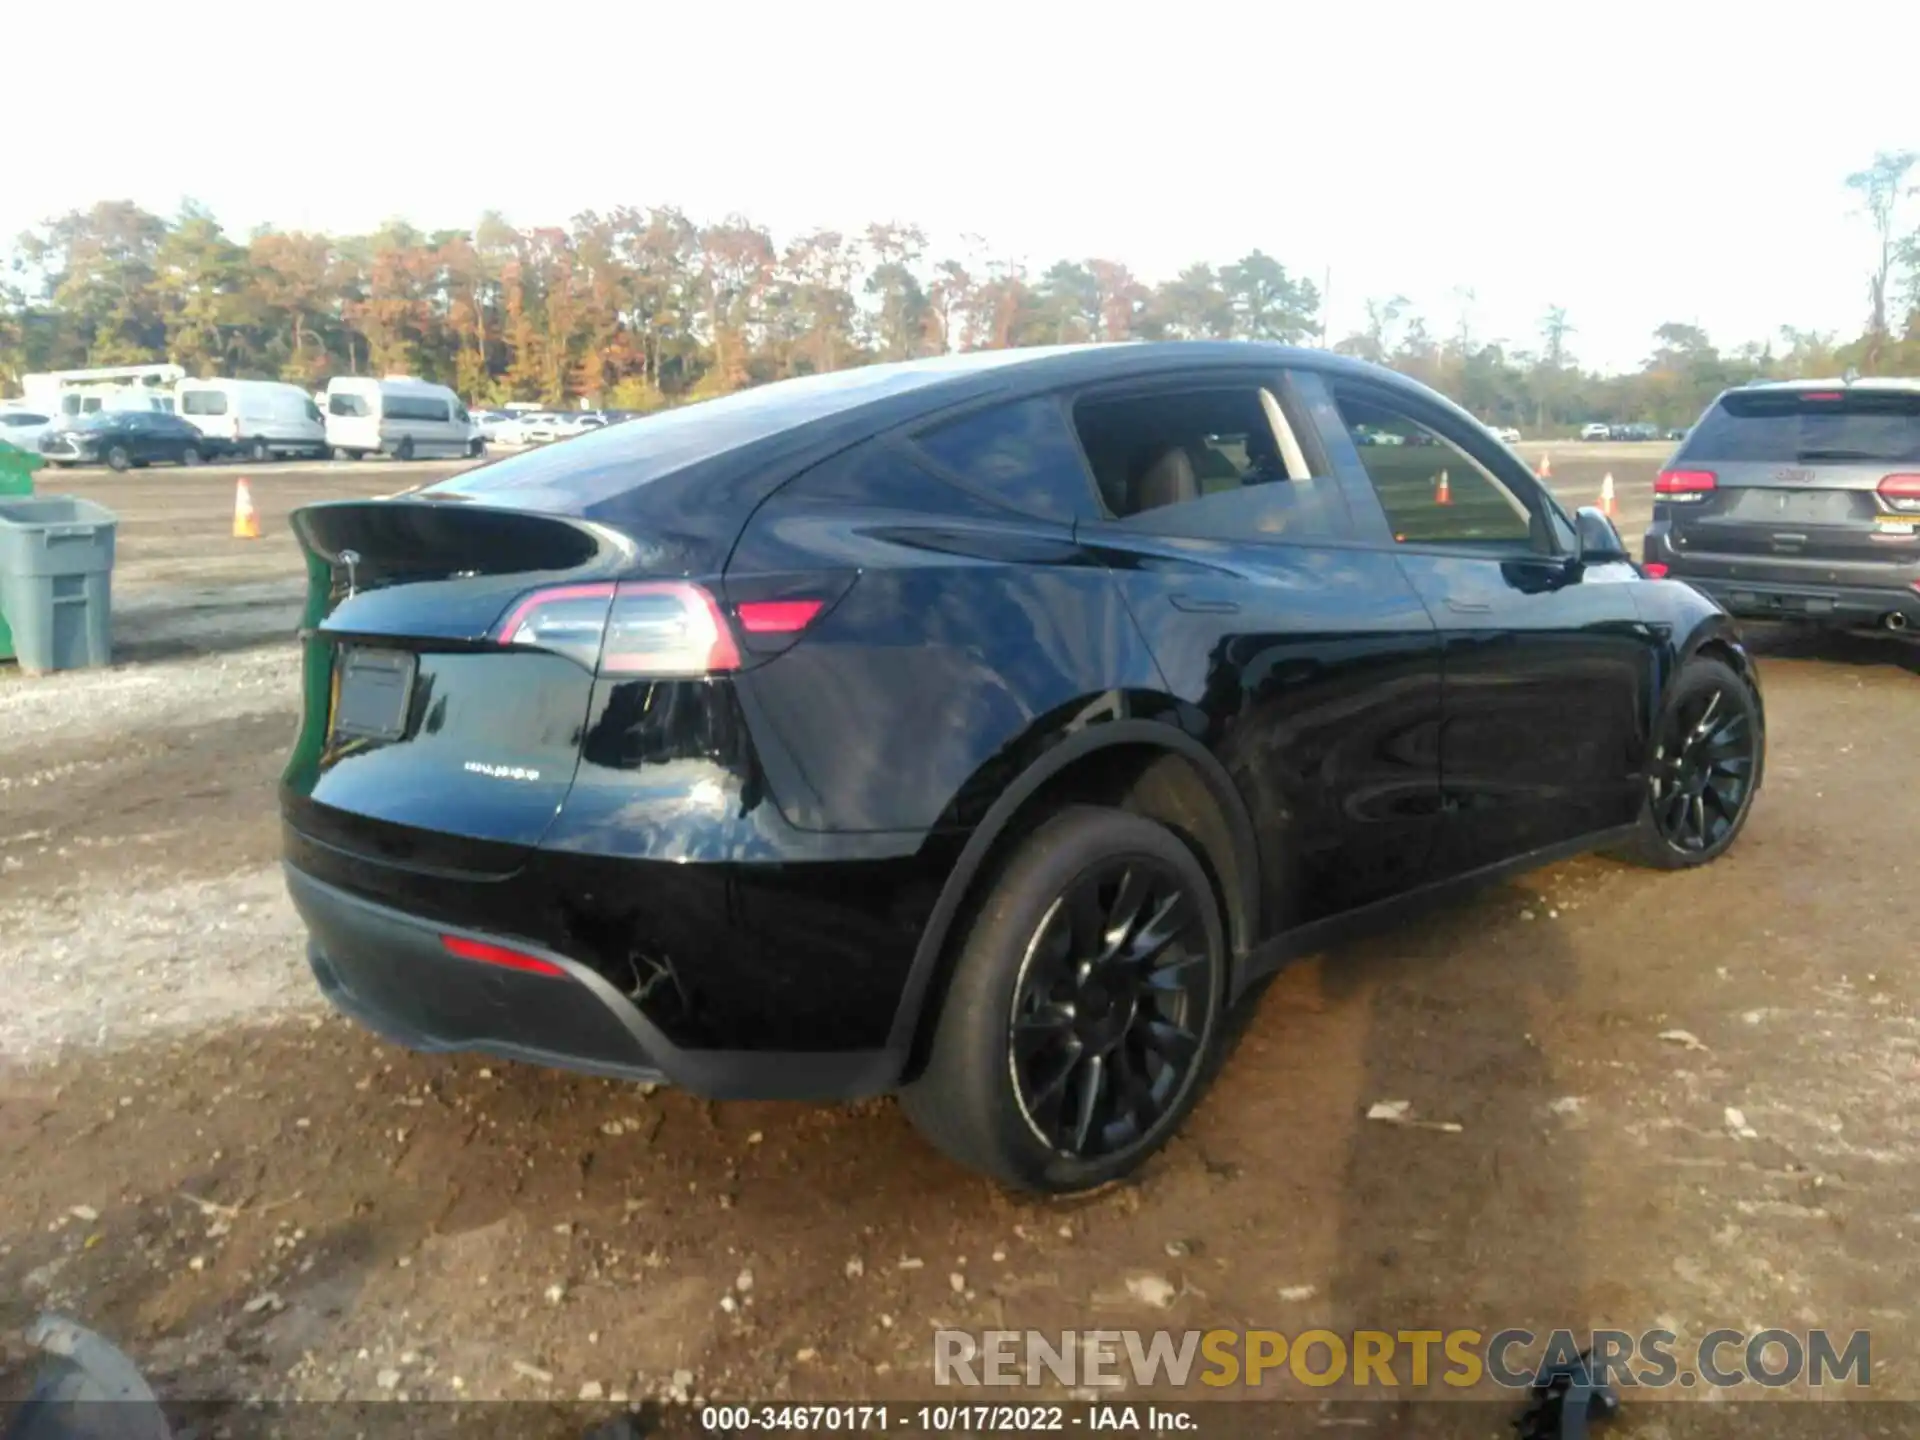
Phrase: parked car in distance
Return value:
(1637, 432)
(127, 439)
(1677, 433)
(578, 422)
(261, 419)
(398, 416)
(1596, 430)
(1798, 500)
(22, 426)
(1506, 434)
(496, 425)
(1140, 648)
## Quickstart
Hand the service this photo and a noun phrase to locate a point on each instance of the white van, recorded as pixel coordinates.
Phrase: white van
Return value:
(397, 416)
(257, 418)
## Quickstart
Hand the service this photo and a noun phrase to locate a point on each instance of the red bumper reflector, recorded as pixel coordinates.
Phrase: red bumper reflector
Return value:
(1654, 570)
(777, 617)
(499, 955)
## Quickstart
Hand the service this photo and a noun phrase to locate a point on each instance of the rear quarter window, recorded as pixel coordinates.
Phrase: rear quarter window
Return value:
(1023, 454)
(1803, 428)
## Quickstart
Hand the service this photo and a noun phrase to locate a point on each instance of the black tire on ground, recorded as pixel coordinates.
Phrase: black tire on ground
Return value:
(1707, 758)
(404, 450)
(260, 452)
(477, 449)
(971, 1099)
(340, 452)
(119, 459)
(190, 456)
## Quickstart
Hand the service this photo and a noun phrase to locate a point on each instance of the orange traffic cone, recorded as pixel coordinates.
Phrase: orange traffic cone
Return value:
(1606, 496)
(246, 520)
(1546, 466)
(1443, 495)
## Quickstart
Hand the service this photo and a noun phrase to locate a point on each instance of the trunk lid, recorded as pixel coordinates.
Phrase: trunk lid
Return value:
(1797, 473)
(419, 730)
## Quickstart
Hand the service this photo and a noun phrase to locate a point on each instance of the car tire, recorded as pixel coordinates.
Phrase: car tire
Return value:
(1708, 752)
(260, 452)
(118, 459)
(404, 450)
(190, 456)
(1045, 1008)
(477, 450)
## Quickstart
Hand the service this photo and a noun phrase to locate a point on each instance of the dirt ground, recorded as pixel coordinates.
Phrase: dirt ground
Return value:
(260, 1200)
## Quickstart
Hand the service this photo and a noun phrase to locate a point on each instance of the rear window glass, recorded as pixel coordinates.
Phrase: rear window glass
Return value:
(1022, 453)
(344, 404)
(614, 460)
(203, 402)
(1882, 428)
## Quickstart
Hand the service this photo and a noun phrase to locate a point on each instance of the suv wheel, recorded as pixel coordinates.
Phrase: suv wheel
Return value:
(119, 459)
(1706, 758)
(1085, 1007)
(404, 450)
(261, 452)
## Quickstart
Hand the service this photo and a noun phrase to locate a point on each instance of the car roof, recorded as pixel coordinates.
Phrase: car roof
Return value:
(1900, 383)
(735, 448)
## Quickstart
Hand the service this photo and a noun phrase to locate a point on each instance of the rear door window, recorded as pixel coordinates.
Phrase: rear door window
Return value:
(203, 402)
(1207, 463)
(1808, 428)
(1022, 454)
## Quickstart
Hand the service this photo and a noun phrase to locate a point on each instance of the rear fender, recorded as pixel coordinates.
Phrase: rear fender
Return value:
(1057, 744)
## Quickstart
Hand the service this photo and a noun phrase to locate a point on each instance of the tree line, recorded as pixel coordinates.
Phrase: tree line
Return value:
(642, 308)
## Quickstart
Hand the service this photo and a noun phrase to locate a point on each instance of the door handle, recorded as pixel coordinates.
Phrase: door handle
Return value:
(1198, 605)
(1469, 607)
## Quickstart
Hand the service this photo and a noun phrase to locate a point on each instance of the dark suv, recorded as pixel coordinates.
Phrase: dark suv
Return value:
(981, 728)
(1799, 501)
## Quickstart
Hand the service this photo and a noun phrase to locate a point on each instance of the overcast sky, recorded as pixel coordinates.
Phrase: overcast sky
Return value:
(1634, 163)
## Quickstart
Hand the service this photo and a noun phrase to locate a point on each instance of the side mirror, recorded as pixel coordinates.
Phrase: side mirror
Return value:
(1600, 543)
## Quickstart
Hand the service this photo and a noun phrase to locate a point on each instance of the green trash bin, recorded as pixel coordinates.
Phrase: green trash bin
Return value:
(56, 578)
(16, 478)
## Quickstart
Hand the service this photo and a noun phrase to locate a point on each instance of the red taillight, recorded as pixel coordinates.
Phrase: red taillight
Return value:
(1685, 482)
(777, 617)
(1827, 395)
(1654, 570)
(499, 955)
(668, 627)
(1902, 492)
(663, 628)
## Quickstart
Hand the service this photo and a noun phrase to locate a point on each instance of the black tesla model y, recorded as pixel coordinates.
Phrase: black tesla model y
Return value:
(978, 728)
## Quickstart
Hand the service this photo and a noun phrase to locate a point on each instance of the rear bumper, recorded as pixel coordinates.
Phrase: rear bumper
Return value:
(1769, 588)
(390, 972)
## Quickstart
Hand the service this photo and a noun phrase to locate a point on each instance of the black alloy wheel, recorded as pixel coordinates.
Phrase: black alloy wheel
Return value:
(1103, 1037)
(1086, 1007)
(1702, 771)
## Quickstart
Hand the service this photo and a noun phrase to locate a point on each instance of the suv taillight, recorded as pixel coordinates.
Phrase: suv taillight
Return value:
(1901, 492)
(1685, 486)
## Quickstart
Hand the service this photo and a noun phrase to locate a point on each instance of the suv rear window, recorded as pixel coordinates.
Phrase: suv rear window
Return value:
(1879, 427)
